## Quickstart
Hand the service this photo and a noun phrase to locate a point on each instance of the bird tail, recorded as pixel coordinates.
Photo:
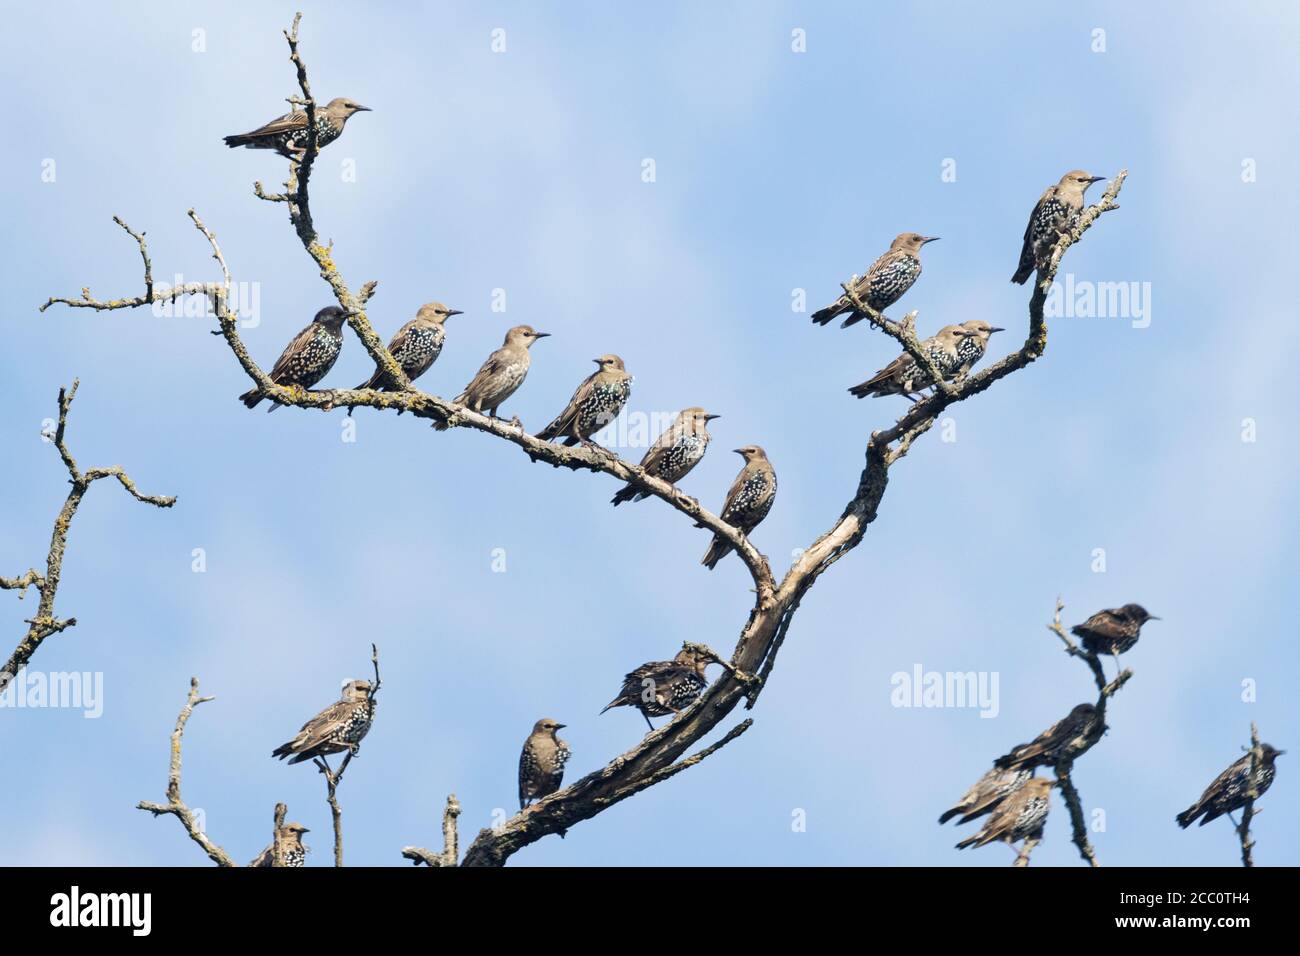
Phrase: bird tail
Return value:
(823, 316)
(1026, 266)
(865, 389)
(282, 751)
(239, 139)
(1186, 818)
(554, 430)
(718, 550)
(626, 494)
(251, 397)
(853, 319)
(973, 840)
(950, 814)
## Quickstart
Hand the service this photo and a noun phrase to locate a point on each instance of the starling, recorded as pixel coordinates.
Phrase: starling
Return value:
(903, 376)
(674, 453)
(595, 404)
(987, 793)
(970, 349)
(416, 346)
(309, 357)
(1057, 211)
(1069, 734)
(1115, 631)
(541, 764)
(748, 501)
(1019, 816)
(288, 134)
(501, 375)
(337, 728)
(661, 688)
(292, 850)
(885, 282)
(1228, 792)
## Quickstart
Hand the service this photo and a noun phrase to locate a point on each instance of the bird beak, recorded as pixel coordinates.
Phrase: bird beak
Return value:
(363, 109)
(455, 312)
(305, 830)
(1095, 179)
(1278, 753)
(1152, 617)
(560, 726)
(541, 335)
(709, 418)
(930, 239)
(355, 312)
(996, 328)
(738, 451)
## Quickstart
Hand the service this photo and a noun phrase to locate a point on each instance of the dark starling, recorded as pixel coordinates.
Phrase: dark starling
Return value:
(541, 764)
(293, 852)
(337, 728)
(885, 282)
(661, 688)
(674, 453)
(309, 357)
(1019, 816)
(1065, 737)
(903, 376)
(416, 346)
(287, 135)
(748, 501)
(987, 792)
(595, 404)
(1113, 632)
(501, 375)
(1056, 212)
(1228, 792)
(970, 349)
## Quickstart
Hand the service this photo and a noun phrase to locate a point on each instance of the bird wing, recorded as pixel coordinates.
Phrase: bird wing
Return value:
(1105, 624)
(293, 348)
(736, 487)
(318, 730)
(564, 421)
(656, 451)
(494, 364)
(284, 124)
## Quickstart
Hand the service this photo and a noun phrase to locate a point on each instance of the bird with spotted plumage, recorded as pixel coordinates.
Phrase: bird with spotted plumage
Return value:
(1113, 631)
(339, 727)
(416, 346)
(1075, 731)
(501, 375)
(1230, 789)
(541, 762)
(904, 375)
(971, 347)
(661, 688)
(884, 283)
(748, 501)
(1055, 213)
(1019, 816)
(674, 453)
(986, 793)
(293, 852)
(595, 403)
(287, 134)
(308, 358)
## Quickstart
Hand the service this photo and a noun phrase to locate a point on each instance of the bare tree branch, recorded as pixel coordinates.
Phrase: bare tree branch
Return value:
(656, 757)
(175, 805)
(450, 854)
(44, 623)
(1252, 794)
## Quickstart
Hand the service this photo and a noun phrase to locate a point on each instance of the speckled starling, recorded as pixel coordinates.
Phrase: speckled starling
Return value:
(541, 764)
(501, 375)
(1056, 212)
(293, 852)
(416, 346)
(309, 357)
(987, 792)
(287, 135)
(1071, 733)
(970, 349)
(661, 688)
(674, 453)
(1228, 792)
(1114, 631)
(1020, 815)
(885, 282)
(748, 501)
(337, 728)
(595, 404)
(903, 376)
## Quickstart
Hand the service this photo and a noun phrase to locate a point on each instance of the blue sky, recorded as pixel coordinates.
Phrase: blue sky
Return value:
(775, 171)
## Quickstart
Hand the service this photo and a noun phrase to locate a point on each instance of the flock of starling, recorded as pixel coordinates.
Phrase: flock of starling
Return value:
(1014, 800)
